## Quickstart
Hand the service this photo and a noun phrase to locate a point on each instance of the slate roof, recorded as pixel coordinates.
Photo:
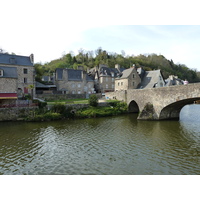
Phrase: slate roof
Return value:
(40, 85)
(150, 79)
(59, 74)
(9, 72)
(141, 72)
(89, 78)
(104, 70)
(170, 82)
(9, 59)
(126, 73)
(73, 75)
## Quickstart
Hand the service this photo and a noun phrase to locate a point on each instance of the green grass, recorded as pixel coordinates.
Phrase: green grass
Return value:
(68, 101)
(74, 101)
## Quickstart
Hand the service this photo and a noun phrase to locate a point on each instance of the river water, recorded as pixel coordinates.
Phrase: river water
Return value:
(111, 145)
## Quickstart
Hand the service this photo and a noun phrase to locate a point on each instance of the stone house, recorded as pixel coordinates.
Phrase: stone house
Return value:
(173, 80)
(71, 81)
(16, 75)
(104, 77)
(129, 79)
(133, 78)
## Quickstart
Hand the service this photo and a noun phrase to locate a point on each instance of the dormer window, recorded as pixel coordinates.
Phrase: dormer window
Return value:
(12, 61)
(1, 72)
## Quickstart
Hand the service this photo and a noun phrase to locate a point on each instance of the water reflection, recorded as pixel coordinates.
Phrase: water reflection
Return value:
(112, 145)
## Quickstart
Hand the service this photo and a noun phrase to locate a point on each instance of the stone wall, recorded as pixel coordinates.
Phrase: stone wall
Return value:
(165, 102)
(8, 85)
(79, 106)
(48, 97)
(15, 114)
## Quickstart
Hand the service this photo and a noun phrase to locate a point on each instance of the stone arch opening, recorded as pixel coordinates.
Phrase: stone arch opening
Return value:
(133, 107)
(173, 110)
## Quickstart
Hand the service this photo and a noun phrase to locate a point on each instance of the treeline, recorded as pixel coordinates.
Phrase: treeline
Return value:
(90, 59)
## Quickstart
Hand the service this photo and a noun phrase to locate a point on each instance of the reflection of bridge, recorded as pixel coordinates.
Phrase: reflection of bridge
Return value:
(158, 103)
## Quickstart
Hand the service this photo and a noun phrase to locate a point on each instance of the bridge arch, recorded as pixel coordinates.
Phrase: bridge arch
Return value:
(133, 107)
(172, 111)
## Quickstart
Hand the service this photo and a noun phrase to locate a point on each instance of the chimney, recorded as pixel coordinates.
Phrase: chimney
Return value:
(117, 66)
(32, 58)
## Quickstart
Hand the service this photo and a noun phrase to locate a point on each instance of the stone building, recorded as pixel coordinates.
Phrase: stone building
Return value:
(104, 77)
(71, 81)
(129, 79)
(173, 80)
(16, 75)
(133, 78)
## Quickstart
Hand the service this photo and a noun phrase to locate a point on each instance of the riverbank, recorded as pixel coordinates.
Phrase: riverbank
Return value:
(60, 111)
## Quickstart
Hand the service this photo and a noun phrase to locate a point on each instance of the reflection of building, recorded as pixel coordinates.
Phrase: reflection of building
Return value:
(71, 81)
(16, 75)
(104, 77)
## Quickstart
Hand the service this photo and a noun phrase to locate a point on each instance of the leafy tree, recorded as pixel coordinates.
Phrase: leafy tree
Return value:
(93, 100)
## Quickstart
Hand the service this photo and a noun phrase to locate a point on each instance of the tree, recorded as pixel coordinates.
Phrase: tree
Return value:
(93, 100)
(31, 87)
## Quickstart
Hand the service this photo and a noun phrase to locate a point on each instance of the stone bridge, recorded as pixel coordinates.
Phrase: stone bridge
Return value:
(158, 103)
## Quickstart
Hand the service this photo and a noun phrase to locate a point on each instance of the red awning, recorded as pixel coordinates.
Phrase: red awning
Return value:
(8, 95)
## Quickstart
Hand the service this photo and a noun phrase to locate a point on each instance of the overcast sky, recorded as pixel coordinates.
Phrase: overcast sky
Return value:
(49, 28)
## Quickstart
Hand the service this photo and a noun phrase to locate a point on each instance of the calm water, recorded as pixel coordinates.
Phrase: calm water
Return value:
(111, 145)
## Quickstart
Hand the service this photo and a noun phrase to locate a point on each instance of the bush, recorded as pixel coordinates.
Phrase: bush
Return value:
(58, 108)
(93, 100)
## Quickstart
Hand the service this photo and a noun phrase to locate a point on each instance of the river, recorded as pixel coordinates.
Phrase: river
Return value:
(111, 145)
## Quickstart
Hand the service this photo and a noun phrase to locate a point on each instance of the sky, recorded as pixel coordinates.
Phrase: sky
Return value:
(49, 29)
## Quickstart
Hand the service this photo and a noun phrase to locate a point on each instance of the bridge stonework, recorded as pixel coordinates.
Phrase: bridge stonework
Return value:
(158, 103)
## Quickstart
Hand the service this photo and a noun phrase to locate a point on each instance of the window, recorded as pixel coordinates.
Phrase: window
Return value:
(1, 72)
(106, 86)
(133, 84)
(79, 85)
(118, 83)
(113, 86)
(113, 79)
(12, 60)
(106, 79)
(25, 71)
(73, 85)
(133, 75)
(79, 92)
(121, 83)
(25, 80)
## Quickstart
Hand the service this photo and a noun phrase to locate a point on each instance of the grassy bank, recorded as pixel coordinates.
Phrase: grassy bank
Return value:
(92, 112)
(68, 101)
(59, 111)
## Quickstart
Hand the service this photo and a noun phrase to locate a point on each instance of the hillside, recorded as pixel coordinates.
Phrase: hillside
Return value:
(89, 59)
